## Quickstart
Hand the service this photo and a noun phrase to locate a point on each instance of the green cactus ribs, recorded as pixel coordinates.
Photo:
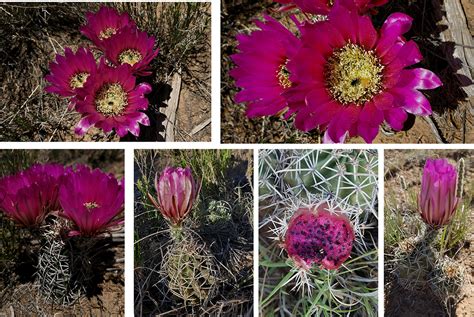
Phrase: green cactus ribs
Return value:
(192, 272)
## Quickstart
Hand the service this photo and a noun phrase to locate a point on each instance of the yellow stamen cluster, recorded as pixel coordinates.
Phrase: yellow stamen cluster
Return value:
(354, 75)
(130, 56)
(283, 76)
(91, 205)
(78, 80)
(108, 32)
(330, 3)
(111, 99)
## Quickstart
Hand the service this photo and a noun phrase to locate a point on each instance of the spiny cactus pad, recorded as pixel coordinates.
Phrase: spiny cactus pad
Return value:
(319, 237)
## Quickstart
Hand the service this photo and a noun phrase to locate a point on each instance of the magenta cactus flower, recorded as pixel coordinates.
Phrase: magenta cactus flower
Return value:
(111, 101)
(28, 197)
(105, 24)
(70, 72)
(358, 77)
(437, 201)
(261, 67)
(131, 47)
(177, 190)
(319, 237)
(324, 6)
(92, 200)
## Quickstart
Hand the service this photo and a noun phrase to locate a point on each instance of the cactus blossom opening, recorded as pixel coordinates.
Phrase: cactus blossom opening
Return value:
(317, 236)
(437, 201)
(177, 190)
(92, 200)
(27, 197)
(105, 24)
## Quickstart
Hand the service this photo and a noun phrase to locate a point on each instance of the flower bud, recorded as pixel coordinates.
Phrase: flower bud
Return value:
(437, 201)
(177, 191)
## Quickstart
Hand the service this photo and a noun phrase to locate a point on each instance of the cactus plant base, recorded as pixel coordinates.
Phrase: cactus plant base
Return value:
(317, 236)
(192, 272)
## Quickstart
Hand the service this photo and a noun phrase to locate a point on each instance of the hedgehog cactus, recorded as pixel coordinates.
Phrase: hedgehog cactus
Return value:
(346, 174)
(317, 236)
(320, 205)
(191, 271)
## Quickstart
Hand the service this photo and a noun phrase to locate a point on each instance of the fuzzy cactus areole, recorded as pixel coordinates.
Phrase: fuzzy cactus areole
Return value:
(319, 237)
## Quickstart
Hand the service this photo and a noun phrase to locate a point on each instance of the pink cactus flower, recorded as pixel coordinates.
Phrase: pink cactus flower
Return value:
(177, 190)
(357, 77)
(319, 237)
(131, 47)
(323, 7)
(261, 67)
(105, 24)
(92, 200)
(70, 72)
(111, 101)
(28, 197)
(437, 201)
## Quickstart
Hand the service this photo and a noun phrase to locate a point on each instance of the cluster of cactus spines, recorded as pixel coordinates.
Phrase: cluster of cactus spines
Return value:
(55, 270)
(447, 278)
(191, 271)
(350, 176)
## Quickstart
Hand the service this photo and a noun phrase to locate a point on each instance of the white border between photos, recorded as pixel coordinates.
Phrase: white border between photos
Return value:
(129, 148)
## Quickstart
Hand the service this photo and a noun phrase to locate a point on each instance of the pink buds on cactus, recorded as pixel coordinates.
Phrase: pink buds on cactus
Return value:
(177, 190)
(317, 236)
(437, 201)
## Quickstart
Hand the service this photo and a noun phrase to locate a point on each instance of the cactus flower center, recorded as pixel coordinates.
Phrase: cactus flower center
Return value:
(283, 76)
(319, 237)
(130, 56)
(111, 99)
(91, 205)
(106, 33)
(78, 80)
(353, 75)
